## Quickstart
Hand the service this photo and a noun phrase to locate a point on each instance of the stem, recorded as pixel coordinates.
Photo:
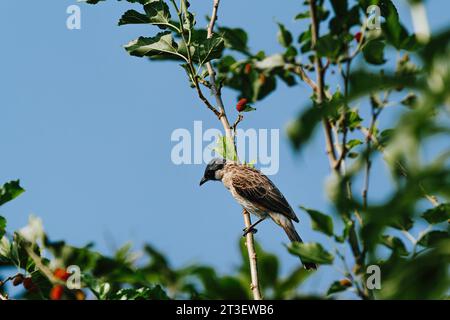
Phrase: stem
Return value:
(328, 129)
(375, 114)
(320, 75)
(229, 134)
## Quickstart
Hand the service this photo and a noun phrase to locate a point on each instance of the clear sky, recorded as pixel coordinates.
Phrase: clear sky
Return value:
(87, 129)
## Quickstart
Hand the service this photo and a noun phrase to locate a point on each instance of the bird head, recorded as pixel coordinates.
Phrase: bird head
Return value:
(213, 170)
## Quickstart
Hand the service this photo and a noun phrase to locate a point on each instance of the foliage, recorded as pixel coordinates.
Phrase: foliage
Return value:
(405, 236)
(129, 275)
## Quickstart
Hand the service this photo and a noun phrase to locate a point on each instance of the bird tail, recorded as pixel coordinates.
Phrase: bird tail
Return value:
(292, 234)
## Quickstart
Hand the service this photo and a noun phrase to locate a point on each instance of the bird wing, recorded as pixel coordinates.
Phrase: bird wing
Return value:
(256, 187)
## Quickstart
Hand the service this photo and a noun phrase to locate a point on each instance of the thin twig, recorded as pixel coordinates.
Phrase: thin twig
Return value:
(193, 73)
(375, 113)
(228, 131)
(320, 84)
(298, 70)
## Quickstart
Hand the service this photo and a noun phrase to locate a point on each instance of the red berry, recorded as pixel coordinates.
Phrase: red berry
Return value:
(240, 106)
(61, 274)
(358, 36)
(248, 68)
(56, 292)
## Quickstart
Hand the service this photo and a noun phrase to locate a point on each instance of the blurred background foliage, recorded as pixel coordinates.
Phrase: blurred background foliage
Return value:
(394, 69)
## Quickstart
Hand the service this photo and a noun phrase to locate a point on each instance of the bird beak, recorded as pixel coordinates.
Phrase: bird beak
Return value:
(203, 180)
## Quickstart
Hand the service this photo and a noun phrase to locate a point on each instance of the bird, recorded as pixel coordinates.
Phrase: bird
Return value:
(256, 193)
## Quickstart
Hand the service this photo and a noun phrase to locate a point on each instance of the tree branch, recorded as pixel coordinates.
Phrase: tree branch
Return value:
(229, 134)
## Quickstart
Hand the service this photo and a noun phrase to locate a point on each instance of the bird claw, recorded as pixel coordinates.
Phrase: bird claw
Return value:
(246, 231)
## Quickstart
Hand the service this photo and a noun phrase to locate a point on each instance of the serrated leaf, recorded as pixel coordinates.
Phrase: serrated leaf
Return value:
(320, 222)
(9, 191)
(311, 252)
(133, 17)
(162, 45)
(208, 49)
(437, 214)
(158, 13)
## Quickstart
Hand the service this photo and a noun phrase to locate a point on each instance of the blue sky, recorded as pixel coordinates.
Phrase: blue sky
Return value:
(87, 129)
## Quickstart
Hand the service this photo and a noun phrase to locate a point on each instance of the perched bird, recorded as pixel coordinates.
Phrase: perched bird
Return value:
(255, 193)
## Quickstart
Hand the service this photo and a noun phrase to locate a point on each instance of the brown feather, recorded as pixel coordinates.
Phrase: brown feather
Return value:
(257, 188)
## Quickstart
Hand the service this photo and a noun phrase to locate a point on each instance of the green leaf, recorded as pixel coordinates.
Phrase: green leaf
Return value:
(158, 13)
(155, 293)
(437, 214)
(9, 191)
(320, 222)
(162, 46)
(208, 49)
(302, 15)
(2, 227)
(395, 244)
(432, 238)
(339, 6)
(329, 46)
(235, 39)
(337, 286)
(225, 148)
(373, 52)
(409, 100)
(248, 108)
(133, 17)
(311, 252)
(353, 143)
(284, 36)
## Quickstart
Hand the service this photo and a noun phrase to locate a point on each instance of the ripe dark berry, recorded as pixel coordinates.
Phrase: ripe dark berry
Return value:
(240, 106)
(18, 279)
(358, 36)
(28, 283)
